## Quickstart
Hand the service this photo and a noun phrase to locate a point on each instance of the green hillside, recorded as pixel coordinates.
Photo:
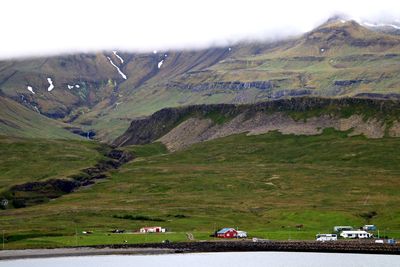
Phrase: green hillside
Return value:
(17, 120)
(27, 160)
(267, 184)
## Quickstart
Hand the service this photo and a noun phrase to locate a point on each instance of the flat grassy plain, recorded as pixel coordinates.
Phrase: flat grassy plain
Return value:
(272, 185)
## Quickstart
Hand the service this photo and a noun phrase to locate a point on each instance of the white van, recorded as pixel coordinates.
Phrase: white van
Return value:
(241, 234)
(355, 234)
(326, 237)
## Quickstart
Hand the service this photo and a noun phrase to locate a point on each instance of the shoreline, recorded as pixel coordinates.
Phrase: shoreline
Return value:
(77, 252)
(357, 247)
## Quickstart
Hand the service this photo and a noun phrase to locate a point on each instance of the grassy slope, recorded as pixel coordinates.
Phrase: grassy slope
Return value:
(264, 184)
(17, 120)
(23, 160)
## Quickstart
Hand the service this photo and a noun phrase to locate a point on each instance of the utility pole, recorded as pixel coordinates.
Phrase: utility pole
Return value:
(215, 229)
(76, 236)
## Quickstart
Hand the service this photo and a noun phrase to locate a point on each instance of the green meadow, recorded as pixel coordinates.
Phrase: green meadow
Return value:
(272, 186)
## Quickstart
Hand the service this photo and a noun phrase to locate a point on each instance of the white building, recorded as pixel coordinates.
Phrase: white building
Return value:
(152, 229)
(355, 234)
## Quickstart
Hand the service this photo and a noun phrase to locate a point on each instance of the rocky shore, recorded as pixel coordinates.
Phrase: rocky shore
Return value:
(346, 246)
(358, 246)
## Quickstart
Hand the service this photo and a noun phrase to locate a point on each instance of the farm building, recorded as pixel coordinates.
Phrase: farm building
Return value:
(227, 233)
(152, 229)
(355, 234)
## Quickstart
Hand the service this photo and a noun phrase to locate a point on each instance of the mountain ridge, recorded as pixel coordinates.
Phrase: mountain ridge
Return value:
(102, 92)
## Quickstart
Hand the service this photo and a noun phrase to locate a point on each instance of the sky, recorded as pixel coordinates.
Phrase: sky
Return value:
(48, 27)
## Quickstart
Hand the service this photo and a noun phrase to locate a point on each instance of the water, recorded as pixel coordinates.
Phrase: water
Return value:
(237, 259)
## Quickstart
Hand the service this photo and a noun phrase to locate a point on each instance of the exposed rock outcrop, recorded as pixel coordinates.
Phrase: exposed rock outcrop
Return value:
(394, 131)
(235, 85)
(181, 127)
(378, 96)
(196, 130)
(76, 130)
(347, 82)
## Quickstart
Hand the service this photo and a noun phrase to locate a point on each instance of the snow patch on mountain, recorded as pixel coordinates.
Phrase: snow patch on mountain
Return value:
(394, 26)
(30, 89)
(115, 66)
(160, 63)
(118, 56)
(51, 85)
(368, 24)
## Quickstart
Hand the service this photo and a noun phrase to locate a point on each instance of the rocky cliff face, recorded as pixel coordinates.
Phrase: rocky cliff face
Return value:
(180, 127)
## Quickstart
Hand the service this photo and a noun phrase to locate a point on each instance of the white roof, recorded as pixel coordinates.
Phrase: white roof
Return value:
(355, 232)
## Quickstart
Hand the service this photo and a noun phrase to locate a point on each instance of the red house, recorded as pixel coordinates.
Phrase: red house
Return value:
(227, 233)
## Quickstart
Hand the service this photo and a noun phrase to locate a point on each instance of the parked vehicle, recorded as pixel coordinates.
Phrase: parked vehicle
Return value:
(118, 231)
(241, 234)
(356, 234)
(391, 241)
(369, 227)
(341, 228)
(379, 241)
(326, 237)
